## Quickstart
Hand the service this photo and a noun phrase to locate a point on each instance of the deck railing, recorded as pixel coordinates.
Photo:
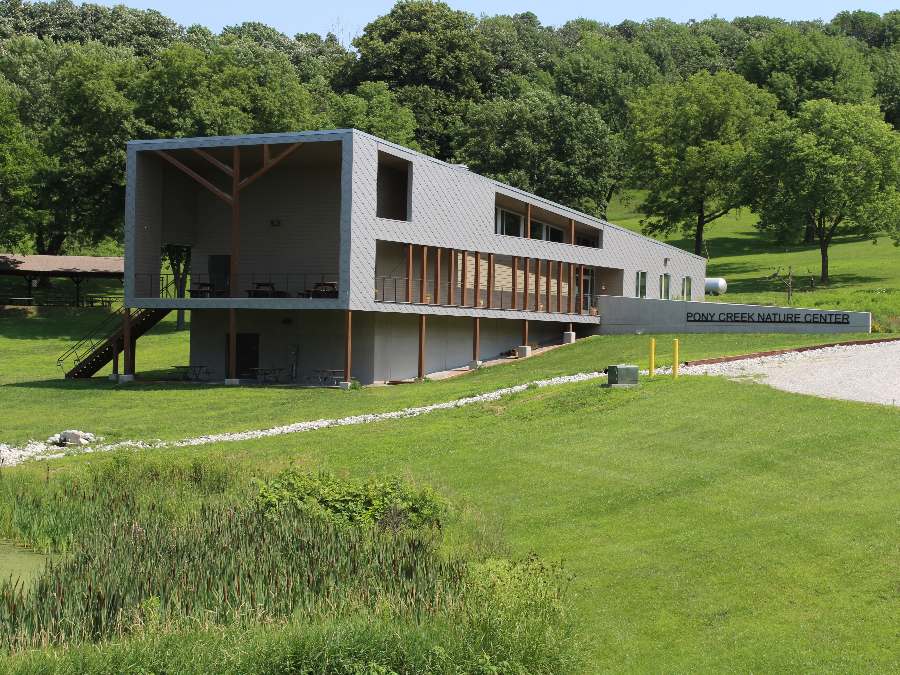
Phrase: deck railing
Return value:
(251, 285)
(394, 289)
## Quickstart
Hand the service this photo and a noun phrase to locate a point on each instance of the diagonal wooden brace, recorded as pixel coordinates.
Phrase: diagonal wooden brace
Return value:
(197, 177)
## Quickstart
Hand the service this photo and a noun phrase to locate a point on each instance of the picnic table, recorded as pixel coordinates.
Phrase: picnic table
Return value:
(271, 373)
(192, 372)
(321, 289)
(19, 301)
(264, 289)
(325, 374)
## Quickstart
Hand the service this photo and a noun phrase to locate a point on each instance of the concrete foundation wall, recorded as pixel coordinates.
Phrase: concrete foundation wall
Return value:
(384, 346)
(633, 315)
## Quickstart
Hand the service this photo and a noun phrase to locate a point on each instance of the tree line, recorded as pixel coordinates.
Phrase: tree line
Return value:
(794, 120)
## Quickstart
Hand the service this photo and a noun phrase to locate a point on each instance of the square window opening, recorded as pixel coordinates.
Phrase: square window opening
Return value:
(640, 285)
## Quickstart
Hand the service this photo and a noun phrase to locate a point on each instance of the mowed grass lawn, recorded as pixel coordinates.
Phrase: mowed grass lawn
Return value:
(713, 525)
(36, 402)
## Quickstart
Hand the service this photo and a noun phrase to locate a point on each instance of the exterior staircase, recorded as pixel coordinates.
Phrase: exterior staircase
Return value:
(98, 348)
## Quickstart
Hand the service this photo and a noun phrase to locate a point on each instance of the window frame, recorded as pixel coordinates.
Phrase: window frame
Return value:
(640, 284)
(686, 287)
(665, 286)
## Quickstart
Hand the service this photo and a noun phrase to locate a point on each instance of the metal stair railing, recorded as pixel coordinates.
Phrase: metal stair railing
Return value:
(97, 337)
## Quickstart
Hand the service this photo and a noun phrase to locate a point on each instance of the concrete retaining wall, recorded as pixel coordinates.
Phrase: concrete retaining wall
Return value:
(632, 315)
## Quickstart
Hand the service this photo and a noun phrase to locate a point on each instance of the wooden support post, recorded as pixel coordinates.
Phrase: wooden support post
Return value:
(477, 298)
(423, 290)
(115, 348)
(235, 221)
(515, 282)
(476, 337)
(451, 276)
(464, 284)
(537, 284)
(421, 346)
(570, 326)
(549, 286)
(232, 345)
(528, 221)
(126, 343)
(559, 287)
(437, 276)
(580, 289)
(409, 273)
(571, 231)
(571, 289)
(347, 350)
(525, 332)
(490, 280)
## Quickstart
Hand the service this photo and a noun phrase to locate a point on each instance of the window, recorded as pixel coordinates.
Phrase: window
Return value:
(640, 285)
(513, 225)
(581, 240)
(509, 224)
(664, 286)
(394, 187)
(686, 288)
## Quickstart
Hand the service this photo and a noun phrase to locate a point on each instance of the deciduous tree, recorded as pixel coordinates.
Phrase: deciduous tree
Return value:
(836, 166)
(545, 144)
(686, 147)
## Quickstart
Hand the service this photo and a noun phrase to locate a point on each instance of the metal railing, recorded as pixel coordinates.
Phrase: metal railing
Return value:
(394, 289)
(102, 333)
(250, 285)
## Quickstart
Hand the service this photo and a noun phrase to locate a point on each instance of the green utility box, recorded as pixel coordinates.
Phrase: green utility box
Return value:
(622, 375)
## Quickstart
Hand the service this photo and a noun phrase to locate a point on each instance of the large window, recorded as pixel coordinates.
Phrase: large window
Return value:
(664, 280)
(640, 285)
(686, 288)
(394, 187)
(508, 223)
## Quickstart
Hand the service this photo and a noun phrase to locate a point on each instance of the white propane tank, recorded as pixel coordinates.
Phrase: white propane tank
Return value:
(716, 286)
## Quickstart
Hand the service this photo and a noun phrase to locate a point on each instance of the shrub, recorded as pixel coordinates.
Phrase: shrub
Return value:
(389, 503)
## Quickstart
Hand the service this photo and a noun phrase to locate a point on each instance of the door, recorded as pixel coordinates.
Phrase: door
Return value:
(219, 269)
(247, 354)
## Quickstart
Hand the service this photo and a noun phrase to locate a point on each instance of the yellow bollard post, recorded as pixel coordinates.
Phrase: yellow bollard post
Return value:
(675, 360)
(652, 356)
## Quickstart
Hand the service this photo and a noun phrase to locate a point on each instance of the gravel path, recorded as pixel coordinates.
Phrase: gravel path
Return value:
(869, 373)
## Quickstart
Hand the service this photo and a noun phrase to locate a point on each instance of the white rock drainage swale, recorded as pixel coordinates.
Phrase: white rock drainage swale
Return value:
(12, 455)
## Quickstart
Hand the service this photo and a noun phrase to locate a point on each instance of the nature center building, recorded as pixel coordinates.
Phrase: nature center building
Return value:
(338, 250)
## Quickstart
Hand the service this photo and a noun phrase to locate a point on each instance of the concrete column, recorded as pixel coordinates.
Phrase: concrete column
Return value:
(474, 364)
(524, 349)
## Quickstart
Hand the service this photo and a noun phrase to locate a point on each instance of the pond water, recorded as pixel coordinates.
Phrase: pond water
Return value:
(19, 562)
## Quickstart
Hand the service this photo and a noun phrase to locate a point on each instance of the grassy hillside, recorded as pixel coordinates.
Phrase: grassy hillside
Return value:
(864, 277)
(712, 525)
(36, 402)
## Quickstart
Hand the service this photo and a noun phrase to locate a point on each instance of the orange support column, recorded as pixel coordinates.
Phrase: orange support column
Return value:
(580, 289)
(571, 289)
(526, 267)
(537, 284)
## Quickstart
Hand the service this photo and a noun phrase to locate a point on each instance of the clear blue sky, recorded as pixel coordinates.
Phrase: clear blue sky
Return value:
(293, 17)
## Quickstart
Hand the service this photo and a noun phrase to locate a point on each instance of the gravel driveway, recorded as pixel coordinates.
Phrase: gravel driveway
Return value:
(869, 373)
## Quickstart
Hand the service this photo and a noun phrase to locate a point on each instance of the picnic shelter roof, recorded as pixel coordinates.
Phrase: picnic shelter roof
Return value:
(62, 266)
